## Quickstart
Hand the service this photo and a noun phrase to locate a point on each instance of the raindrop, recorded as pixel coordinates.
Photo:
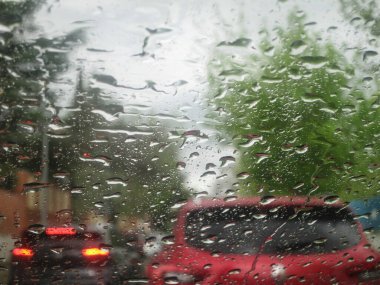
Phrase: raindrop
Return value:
(269, 51)
(130, 139)
(234, 272)
(265, 200)
(370, 258)
(240, 42)
(270, 79)
(194, 155)
(332, 199)
(179, 83)
(210, 239)
(26, 127)
(200, 194)
(328, 110)
(101, 159)
(208, 173)
(234, 71)
(243, 175)
(262, 156)
(259, 216)
(297, 47)
(320, 241)
(112, 196)
(168, 239)
(178, 205)
(210, 166)
(171, 280)
(369, 53)
(158, 30)
(4, 29)
(332, 28)
(230, 198)
(367, 79)
(314, 61)
(99, 204)
(302, 149)
(253, 139)
(116, 181)
(77, 190)
(227, 160)
(311, 97)
(221, 176)
(106, 116)
(180, 165)
(61, 175)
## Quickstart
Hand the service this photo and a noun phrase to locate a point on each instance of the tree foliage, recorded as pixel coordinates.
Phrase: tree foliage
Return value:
(299, 115)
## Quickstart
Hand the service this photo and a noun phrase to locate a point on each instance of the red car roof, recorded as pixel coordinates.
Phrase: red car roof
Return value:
(265, 201)
(273, 201)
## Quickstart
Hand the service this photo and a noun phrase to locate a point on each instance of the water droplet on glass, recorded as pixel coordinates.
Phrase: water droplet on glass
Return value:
(332, 199)
(234, 272)
(243, 175)
(180, 165)
(240, 42)
(178, 205)
(208, 174)
(116, 181)
(370, 258)
(194, 155)
(112, 196)
(312, 62)
(297, 47)
(99, 204)
(227, 160)
(368, 54)
(267, 200)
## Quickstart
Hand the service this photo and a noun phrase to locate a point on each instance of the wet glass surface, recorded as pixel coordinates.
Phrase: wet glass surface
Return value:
(244, 230)
(114, 114)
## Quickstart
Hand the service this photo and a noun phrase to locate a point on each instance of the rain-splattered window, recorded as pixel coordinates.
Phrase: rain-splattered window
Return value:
(189, 142)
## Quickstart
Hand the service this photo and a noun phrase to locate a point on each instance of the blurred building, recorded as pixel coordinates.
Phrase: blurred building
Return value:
(19, 209)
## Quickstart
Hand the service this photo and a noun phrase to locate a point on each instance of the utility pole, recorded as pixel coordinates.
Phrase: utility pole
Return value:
(44, 191)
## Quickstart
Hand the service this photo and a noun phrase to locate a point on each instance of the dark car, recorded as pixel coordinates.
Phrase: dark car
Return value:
(284, 240)
(61, 255)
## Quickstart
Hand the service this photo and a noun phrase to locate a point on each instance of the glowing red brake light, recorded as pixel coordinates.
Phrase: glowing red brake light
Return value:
(94, 251)
(23, 252)
(60, 231)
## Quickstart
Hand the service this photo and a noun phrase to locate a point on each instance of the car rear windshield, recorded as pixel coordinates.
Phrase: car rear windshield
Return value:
(281, 230)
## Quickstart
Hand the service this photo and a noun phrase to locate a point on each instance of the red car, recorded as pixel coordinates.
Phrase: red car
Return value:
(284, 240)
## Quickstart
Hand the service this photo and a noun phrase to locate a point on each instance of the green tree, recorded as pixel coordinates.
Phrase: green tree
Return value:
(21, 73)
(301, 125)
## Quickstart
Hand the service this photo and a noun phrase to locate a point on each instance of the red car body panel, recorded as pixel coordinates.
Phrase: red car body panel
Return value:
(338, 267)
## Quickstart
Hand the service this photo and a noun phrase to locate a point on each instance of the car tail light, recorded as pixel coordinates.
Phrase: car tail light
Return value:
(60, 231)
(95, 252)
(23, 252)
